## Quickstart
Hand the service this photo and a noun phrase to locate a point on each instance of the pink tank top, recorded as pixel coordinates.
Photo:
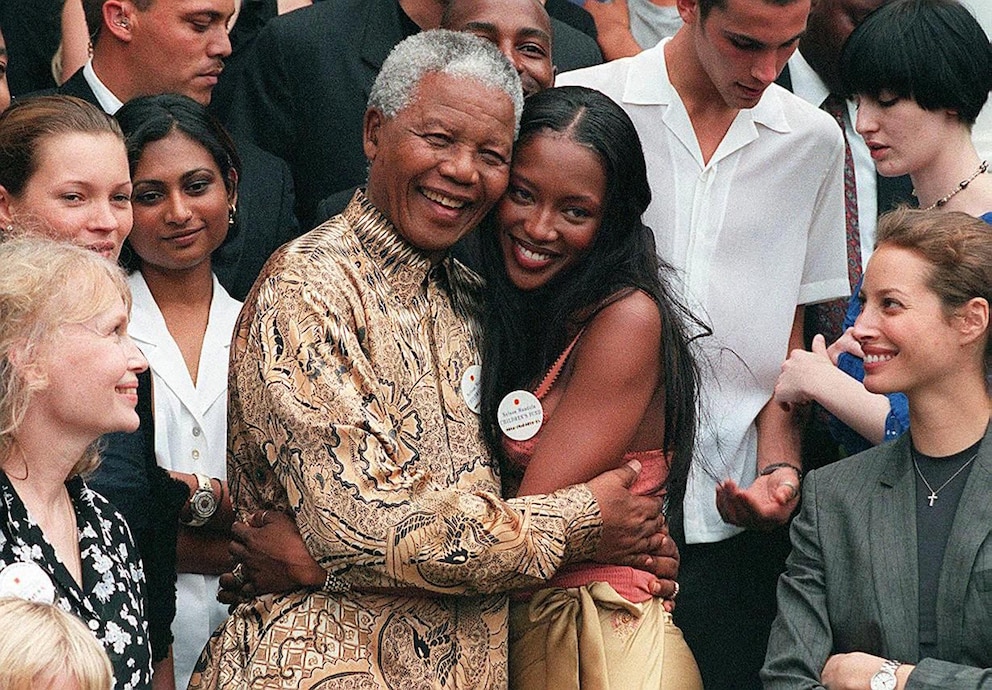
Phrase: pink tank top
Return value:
(630, 583)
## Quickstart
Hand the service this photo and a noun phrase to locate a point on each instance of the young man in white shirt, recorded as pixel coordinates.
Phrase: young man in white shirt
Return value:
(748, 205)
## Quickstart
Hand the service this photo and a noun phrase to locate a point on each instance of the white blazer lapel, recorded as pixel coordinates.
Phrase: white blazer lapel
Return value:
(212, 376)
(152, 335)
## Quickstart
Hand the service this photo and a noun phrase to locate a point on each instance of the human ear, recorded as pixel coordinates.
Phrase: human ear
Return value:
(974, 319)
(6, 209)
(23, 359)
(371, 129)
(688, 10)
(117, 16)
(232, 187)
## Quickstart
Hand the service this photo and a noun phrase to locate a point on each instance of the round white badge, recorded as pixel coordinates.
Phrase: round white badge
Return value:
(27, 581)
(520, 415)
(471, 389)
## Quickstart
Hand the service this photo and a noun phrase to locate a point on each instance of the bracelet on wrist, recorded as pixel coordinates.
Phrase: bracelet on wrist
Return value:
(768, 469)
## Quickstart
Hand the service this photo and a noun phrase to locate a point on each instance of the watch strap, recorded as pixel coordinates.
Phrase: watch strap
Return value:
(203, 481)
(885, 677)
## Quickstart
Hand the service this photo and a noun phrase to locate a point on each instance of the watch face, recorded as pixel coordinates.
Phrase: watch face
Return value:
(883, 680)
(203, 504)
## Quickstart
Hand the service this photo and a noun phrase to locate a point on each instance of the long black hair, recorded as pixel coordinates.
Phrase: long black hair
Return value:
(525, 331)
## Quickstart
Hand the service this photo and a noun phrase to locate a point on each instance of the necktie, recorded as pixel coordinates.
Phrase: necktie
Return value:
(830, 315)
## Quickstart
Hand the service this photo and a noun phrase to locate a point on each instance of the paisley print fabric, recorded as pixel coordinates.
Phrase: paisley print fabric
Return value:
(346, 410)
(111, 600)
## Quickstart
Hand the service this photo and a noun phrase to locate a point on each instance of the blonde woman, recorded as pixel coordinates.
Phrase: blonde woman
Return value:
(68, 375)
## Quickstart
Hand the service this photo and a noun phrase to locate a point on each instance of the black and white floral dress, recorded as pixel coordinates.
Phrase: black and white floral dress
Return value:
(111, 600)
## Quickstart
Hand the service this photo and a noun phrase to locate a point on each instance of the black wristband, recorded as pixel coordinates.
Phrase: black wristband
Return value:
(765, 471)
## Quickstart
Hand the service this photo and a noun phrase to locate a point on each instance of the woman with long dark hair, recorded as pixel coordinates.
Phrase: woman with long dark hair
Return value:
(586, 365)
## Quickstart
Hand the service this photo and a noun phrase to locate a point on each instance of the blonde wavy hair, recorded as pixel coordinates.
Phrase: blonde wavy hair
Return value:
(44, 285)
(43, 643)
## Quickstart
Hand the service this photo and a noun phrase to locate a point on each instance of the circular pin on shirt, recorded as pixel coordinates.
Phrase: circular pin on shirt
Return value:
(471, 389)
(520, 415)
(27, 581)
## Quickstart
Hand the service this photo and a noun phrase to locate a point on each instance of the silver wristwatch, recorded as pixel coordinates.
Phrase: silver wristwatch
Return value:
(885, 677)
(203, 503)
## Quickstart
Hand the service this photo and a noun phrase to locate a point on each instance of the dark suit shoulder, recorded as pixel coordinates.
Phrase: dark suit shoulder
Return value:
(347, 21)
(573, 15)
(76, 85)
(573, 49)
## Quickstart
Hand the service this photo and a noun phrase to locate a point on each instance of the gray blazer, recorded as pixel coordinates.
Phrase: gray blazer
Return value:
(852, 581)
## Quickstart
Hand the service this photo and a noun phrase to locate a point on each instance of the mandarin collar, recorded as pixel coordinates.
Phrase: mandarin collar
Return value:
(406, 266)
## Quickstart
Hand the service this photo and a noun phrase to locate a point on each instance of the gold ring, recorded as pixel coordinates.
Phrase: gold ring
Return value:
(238, 574)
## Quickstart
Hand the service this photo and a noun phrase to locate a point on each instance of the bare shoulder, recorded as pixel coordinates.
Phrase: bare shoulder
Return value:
(633, 315)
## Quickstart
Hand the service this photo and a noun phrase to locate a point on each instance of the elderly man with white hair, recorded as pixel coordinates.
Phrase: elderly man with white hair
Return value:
(351, 410)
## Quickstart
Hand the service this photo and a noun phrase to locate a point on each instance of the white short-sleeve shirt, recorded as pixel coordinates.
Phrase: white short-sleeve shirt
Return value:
(754, 232)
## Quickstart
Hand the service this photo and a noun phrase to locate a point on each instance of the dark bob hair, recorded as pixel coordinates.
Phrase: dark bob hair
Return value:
(152, 118)
(932, 51)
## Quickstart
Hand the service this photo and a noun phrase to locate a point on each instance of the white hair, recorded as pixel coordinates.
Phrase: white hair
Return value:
(454, 53)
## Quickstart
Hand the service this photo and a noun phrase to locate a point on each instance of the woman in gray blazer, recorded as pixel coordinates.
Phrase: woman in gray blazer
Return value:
(889, 584)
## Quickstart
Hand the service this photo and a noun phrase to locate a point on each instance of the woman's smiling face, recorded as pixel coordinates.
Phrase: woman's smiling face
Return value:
(552, 209)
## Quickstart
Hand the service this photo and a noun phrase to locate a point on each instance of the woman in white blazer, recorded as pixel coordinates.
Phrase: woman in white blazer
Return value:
(184, 170)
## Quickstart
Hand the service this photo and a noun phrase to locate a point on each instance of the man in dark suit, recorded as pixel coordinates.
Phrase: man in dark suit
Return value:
(813, 74)
(306, 82)
(522, 30)
(178, 46)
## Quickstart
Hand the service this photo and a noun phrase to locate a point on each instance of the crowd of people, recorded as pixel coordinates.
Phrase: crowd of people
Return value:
(494, 343)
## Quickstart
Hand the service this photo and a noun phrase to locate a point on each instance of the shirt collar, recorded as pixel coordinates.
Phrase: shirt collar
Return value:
(648, 84)
(406, 266)
(806, 83)
(108, 101)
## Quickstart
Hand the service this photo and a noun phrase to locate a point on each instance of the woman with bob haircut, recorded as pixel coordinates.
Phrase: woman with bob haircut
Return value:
(184, 170)
(64, 174)
(43, 647)
(921, 71)
(580, 316)
(68, 375)
(887, 584)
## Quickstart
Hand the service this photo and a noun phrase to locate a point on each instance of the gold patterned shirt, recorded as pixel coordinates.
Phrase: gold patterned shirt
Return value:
(346, 410)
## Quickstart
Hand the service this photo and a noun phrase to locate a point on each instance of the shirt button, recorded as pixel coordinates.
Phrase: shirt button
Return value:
(196, 454)
(196, 431)
(93, 625)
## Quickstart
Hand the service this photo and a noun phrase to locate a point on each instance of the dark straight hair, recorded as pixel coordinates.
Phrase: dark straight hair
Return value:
(932, 51)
